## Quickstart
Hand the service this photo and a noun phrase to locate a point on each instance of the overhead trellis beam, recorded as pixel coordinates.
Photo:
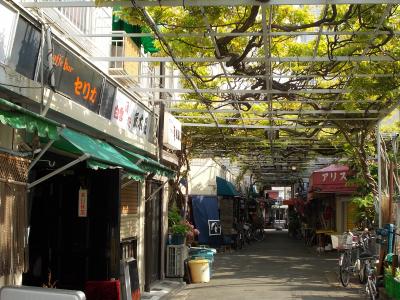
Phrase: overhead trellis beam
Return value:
(281, 112)
(224, 34)
(275, 76)
(243, 91)
(290, 59)
(279, 119)
(254, 126)
(198, 3)
(251, 101)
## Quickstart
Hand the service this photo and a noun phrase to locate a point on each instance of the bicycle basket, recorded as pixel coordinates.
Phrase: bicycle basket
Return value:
(372, 247)
(345, 241)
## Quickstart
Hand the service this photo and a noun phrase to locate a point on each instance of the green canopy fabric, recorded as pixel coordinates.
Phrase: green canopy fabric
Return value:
(101, 153)
(147, 164)
(21, 118)
(96, 165)
(146, 41)
(225, 188)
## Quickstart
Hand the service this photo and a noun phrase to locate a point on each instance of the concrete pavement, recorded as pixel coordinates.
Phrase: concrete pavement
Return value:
(276, 268)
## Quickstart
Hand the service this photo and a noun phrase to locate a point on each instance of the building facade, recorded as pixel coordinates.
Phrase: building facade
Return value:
(91, 187)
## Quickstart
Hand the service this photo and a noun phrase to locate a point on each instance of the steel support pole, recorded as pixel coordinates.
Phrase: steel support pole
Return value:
(378, 145)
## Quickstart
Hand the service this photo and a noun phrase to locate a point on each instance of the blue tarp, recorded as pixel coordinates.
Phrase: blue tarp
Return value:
(204, 208)
(225, 188)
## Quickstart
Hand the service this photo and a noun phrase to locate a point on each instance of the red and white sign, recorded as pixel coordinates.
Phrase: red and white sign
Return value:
(330, 180)
(82, 203)
(130, 116)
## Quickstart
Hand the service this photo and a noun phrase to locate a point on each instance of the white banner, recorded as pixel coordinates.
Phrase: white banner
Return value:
(130, 116)
(172, 132)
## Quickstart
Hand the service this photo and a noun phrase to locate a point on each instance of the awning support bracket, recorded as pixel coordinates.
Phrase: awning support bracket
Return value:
(37, 158)
(59, 170)
(156, 191)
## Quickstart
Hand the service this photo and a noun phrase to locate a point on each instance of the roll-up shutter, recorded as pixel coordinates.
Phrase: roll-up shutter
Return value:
(129, 210)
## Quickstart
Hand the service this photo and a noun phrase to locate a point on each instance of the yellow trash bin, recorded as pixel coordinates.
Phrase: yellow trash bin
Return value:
(199, 270)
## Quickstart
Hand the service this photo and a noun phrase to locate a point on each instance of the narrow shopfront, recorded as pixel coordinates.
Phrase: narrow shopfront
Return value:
(331, 195)
(153, 212)
(75, 241)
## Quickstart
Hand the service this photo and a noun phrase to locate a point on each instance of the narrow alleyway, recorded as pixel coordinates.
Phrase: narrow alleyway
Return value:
(277, 268)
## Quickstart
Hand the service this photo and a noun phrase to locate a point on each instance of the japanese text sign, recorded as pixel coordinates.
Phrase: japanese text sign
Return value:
(172, 132)
(130, 116)
(330, 177)
(76, 79)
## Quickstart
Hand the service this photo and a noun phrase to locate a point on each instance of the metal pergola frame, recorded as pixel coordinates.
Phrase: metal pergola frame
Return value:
(214, 113)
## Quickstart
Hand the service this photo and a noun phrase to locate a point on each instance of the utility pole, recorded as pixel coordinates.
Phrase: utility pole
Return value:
(161, 115)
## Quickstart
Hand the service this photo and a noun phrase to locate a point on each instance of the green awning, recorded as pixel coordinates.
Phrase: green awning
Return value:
(101, 153)
(147, 164)
(21, 118)
(96, 165)
(225, 188)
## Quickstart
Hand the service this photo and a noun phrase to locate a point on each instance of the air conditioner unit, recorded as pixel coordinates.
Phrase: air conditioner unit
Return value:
(176, 255)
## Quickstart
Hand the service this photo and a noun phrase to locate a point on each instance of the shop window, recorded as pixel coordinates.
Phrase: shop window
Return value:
(107, 100)
(7, 26)
(25, 50)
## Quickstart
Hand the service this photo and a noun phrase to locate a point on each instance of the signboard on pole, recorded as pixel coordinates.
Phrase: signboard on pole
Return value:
(130, 116)
(172, 132)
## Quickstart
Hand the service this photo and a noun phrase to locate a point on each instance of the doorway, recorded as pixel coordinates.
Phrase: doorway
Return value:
(152, 233)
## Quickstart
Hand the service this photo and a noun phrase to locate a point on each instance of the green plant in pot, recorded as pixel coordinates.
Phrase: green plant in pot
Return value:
(179, 232)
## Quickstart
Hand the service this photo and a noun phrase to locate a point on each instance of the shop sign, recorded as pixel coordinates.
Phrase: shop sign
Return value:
(332, 177)
(130, 116)
(172, 132)
(76, 78)
(82, 203)
(214, 227)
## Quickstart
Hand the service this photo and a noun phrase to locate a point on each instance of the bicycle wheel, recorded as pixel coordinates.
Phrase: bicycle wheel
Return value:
(344, 269)
(259, 234)
(362, 273)
(371, 290)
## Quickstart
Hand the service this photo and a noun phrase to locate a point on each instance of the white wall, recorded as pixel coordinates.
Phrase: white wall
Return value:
(202, 176)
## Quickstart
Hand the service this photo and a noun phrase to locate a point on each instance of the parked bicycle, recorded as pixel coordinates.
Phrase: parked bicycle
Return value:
(259, 234)
(371, 276)
(349, 258)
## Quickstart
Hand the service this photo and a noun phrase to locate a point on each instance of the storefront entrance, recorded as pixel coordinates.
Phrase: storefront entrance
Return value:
(74, 245)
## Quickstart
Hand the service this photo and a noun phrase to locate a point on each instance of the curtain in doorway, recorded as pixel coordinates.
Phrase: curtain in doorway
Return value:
(13, 214)
(13, 222)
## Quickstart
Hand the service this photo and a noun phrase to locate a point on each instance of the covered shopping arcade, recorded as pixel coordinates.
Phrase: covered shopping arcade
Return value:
(273, 89)
(280, 86)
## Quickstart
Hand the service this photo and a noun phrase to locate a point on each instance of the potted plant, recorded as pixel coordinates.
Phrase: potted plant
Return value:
(180, 229)
(179, 232)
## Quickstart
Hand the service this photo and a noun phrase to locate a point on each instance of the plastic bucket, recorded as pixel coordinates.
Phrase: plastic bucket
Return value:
(199, 270)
